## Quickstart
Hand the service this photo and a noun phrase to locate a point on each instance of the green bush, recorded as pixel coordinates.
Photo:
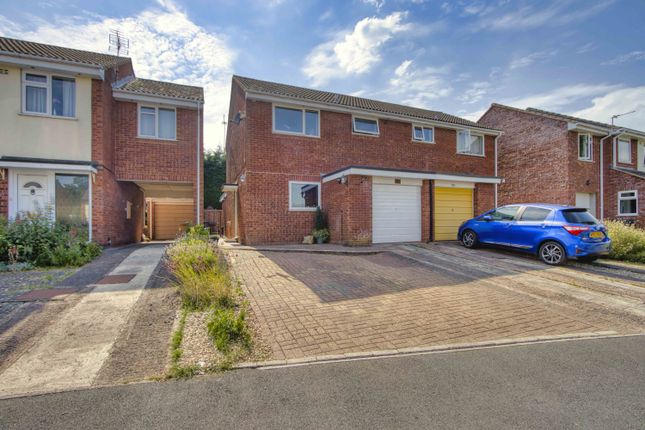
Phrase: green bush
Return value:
(225, 328)
(37, 240)
(627, 242)
(198, 232)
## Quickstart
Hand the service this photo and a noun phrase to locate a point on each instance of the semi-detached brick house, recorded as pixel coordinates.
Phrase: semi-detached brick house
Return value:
(381, 172)
(81, 134)
(553, 158)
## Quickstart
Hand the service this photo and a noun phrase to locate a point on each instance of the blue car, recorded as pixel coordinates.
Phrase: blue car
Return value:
(554, 233)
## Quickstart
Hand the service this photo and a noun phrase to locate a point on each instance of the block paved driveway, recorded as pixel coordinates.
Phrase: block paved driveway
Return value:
(428, 295)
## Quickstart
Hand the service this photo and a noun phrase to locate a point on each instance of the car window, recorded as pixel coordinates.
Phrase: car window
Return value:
(535, 214)
(579, 216)
(506, 213)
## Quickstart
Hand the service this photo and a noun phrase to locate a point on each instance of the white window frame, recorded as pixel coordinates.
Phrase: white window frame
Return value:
(629, 143)
(49, 88)
(621, 198)
(422, 127)
(156, 108)
(470, 133)
(303, 111)
(293, 209)
(365, 133)
(589, 147)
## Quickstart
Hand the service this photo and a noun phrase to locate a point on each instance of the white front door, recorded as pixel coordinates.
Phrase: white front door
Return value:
(587, 201)
(396, 213)
(32, 193)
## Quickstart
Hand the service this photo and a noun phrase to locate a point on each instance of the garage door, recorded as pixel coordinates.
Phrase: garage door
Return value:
(452, 206)
(396, 213)
(169, 219)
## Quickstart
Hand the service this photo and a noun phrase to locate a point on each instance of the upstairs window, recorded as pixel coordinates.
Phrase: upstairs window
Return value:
(365, 126)
(628, 203)
(423, 134)
(624, 151)
(296, 121)
(157, 122)
(469, 143)
(49, 95)
(585, 147)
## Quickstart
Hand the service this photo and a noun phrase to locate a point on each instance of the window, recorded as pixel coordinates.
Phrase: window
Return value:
(470, 144)
(585, 150)
(72, 199)
(296, 121)
(506, 213)
(579, 216)
(627, 203)
(49, 95)
(365, 126)
(423, 134)
(535, 214)
(624, 151)
(304, 196)
(157, 122)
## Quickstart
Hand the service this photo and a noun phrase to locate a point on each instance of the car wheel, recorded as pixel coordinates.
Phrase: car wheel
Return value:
(552, 253)
(469, 239)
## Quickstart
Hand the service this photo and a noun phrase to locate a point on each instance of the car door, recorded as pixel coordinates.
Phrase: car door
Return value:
(495, 230)
(530, 226)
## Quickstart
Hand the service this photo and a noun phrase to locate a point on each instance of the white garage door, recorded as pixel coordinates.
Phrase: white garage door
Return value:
(396, 213)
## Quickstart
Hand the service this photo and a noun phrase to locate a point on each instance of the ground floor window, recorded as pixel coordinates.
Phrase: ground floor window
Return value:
(304, 196)
(628, 203)
(71, 199)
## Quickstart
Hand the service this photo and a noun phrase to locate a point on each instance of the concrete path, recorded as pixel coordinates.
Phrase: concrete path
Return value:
(72, 350)
(590, 384)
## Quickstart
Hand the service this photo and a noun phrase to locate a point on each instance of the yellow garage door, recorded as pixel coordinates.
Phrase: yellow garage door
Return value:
(452, 206)
(170, 219)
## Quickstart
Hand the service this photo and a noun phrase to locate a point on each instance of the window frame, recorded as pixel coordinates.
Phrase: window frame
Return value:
(470, 133)
(621, 198)
(423, 127)
(303, 111)
(49, 88)
(629, 152)
(589, 147)
(366, 133)
(156, 108)
(305, 209)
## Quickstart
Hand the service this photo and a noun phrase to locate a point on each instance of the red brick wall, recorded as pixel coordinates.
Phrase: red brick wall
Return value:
(484, 198)
(426, 211)
(349, 210)
(584, 176)
(236, 136)
(4, 193)
(615, 182)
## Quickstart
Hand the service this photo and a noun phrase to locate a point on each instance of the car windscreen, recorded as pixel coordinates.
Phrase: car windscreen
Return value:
(579, 216)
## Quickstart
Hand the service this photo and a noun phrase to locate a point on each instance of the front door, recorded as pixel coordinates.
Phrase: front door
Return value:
(32, 193)
(587, 201)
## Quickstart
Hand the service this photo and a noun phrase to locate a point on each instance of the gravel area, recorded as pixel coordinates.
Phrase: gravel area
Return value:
(13, 284)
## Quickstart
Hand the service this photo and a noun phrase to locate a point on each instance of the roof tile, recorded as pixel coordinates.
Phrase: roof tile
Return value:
(166, 89)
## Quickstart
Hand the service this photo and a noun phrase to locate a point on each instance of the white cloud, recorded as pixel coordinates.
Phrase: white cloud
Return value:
(378, 4)
(354, 52)
(418, 86)
(587, 47)
(561, 97)
(632, 56)
(164, 45)
(527, 60)
(616, 102)
(475, 92)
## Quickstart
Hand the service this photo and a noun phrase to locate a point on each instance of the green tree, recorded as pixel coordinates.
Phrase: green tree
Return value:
(214, 177)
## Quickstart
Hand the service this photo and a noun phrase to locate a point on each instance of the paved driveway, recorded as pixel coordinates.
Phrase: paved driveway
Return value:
(421, 296)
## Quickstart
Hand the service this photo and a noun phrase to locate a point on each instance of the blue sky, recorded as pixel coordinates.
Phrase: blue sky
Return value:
(581, 57)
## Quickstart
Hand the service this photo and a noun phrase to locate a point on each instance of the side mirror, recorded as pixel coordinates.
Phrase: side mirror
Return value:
(487, 218)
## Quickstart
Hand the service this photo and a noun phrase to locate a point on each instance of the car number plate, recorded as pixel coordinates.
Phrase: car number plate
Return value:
(596, 235)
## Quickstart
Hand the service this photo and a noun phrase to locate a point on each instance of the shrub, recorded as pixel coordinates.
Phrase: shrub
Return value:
(225, 327)
(321, 220)
(198, 231)
(627, 242)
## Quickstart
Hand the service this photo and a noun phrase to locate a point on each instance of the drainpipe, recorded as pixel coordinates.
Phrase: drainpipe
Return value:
(496, 137)
(199, 200)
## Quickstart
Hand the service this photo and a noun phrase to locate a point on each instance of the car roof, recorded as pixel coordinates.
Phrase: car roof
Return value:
(545, 205)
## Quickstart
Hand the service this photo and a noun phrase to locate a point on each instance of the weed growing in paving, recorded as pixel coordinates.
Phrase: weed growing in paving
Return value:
(225, 327)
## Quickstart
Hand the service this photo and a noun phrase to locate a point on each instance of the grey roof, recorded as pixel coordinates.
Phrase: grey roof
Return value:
(351, 102)
(634, 172)
(18, 47)
(580, 120)
(165, 89)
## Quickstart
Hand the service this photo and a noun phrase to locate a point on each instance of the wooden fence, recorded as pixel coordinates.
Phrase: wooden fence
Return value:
(213, 218)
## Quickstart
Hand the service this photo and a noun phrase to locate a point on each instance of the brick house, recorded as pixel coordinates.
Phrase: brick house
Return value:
(381, 172)
(553, 158)
(82, 135)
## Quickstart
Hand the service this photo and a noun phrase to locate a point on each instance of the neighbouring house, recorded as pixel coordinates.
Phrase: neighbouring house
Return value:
(553, 158)
(381, 172)
(82, 135)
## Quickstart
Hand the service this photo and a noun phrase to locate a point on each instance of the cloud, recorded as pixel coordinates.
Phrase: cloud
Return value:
(418, 86)
(616, 102)
(587, 47)
(632, 56)
(531, 58)
(164, 45)
(475, 92)
(561, 97)
(353, 52)
(378, 4)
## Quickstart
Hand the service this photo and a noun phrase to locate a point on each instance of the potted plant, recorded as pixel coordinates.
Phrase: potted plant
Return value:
(321, 235)
(321, 231)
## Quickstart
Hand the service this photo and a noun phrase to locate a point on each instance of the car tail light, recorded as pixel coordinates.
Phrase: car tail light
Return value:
(576, 229)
